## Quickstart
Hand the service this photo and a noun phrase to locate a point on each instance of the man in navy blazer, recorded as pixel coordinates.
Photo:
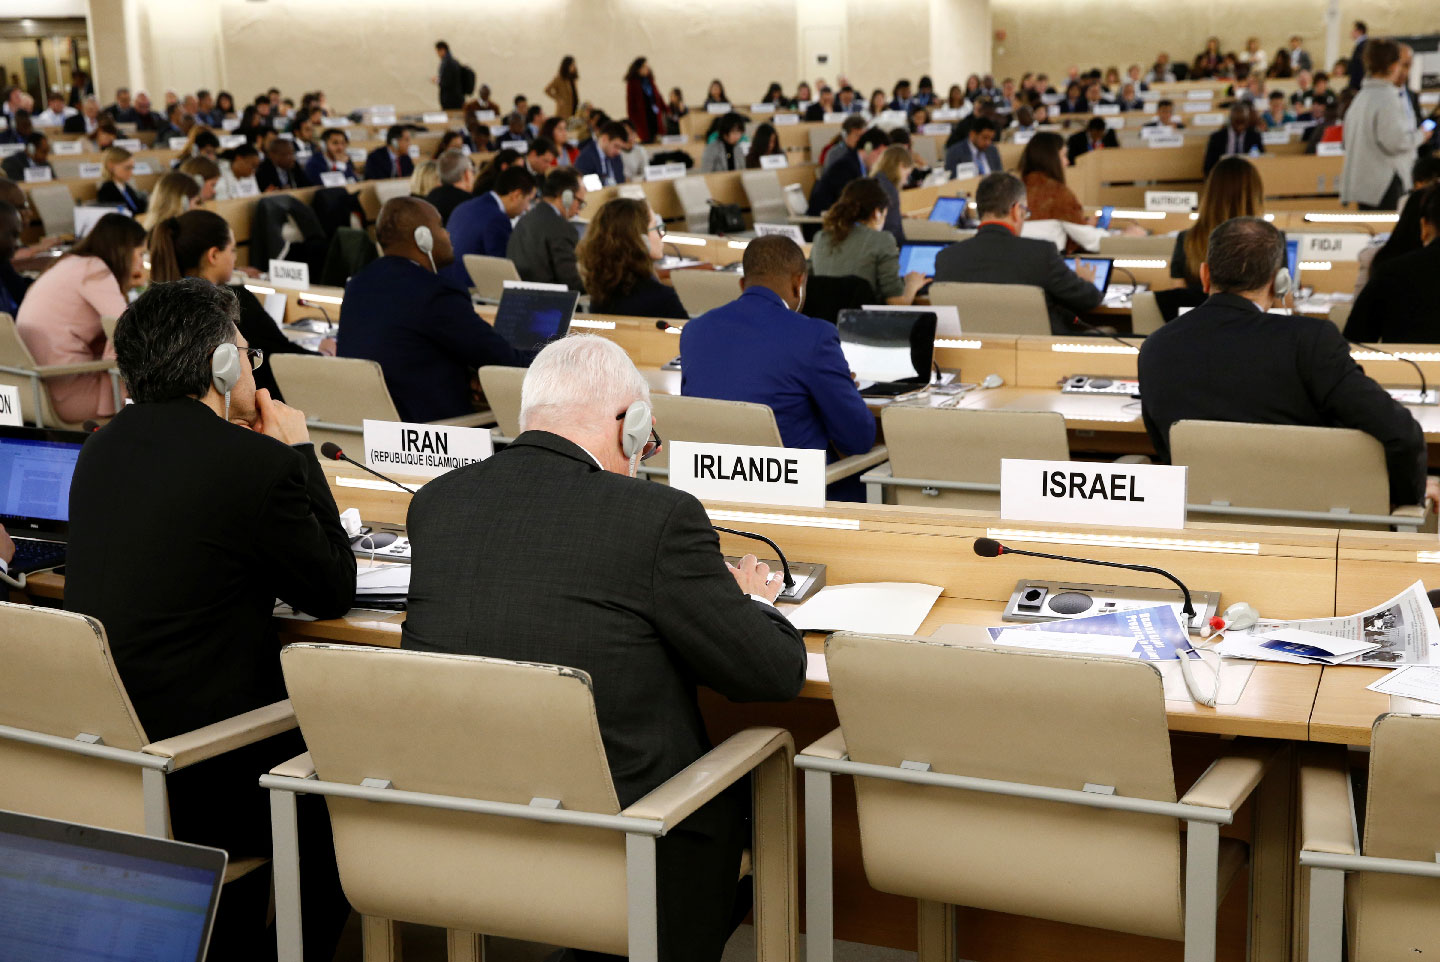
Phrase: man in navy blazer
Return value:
(392, 160)
(978, 149)
(852, 165)
(482, 224)
(760, 348)
(423, 331)
(334, 157)
(601, 155)
(1239, 137)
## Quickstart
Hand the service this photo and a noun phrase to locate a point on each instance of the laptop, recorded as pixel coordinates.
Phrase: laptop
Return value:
(36, 466)
(919, 257)
(528, 318)
(1102, 267)
(950, 210)
(1292, 262)
(73, 893)
(891, 352)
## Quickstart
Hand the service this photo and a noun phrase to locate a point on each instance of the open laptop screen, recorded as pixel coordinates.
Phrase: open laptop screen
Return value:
(1101, 266)
(919, 257)
(1292, 262)
(74, 893)
(888, 346)
(949, 210)
(36, 467)
(529, 318)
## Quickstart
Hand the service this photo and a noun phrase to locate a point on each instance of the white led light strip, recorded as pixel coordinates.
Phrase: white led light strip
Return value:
(1093, 349)
(1141, 262)
(1378, 218)
(593, 325)
(685, 239)
(1408, 355)
(964, 345)
(374, 484)
(1428, 557)
(318, 299)
(795, 520)
(1124, 541)
(1316, 266)
(256, 289)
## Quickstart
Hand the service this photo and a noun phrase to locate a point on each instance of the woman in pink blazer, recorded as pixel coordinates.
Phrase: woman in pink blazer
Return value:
(59, 319)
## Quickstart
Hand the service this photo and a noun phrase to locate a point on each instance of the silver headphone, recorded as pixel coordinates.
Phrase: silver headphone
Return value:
(426, 242)
(567, 198)
(635, 432)
(1283, 283)
(225, 371)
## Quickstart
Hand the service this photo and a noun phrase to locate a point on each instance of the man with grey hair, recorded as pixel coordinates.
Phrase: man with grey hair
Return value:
(457, 180)
(1231, 360)
(552, 551)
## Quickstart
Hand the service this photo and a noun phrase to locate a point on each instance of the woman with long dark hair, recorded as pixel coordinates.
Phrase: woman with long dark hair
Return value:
(563, 89)
(617, 261)
(644, 104)
(1042, 167)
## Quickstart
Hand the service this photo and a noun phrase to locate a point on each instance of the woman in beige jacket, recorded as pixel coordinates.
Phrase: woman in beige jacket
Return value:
(563, 90)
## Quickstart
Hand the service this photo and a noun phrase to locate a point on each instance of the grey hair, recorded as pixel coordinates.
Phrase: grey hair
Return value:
(452, 166)
(1244, 254)
(164, 341)
(997, 193)
(582, 380)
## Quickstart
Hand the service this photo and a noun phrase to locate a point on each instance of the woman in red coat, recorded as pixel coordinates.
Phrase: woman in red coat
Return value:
(644, 104)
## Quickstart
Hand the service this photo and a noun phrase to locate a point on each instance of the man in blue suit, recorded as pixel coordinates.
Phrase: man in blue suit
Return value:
(759, 348)
(335, 158)
(482, 225)
(392, 160)
(852, 165)
(424, 332)
(978, 149)
(601, 156)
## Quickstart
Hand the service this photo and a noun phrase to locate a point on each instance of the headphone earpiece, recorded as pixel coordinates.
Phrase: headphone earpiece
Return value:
(225, 371)
(567, 198)
(425, 241)
(1282, 283)
(635, 432)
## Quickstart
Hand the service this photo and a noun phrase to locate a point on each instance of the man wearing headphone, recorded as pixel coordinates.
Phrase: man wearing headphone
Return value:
(190, 513)
(35, 156)
(552, 551)
(1231, 359)
(543, 243)
(393, 159)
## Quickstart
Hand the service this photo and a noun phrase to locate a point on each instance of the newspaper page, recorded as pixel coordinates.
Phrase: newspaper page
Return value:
(1404, 627)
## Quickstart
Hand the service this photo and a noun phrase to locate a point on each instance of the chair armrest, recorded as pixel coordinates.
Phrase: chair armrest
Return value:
(831, 746)
(298, 767)
(80, 367)
(1410, 511)
(1231, 778)
(1327, 809)
(223, 736)
(856, 463)
(480, 419)
(711, 774)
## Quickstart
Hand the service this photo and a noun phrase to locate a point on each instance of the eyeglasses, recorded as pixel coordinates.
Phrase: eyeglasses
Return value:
(256, 356)
(659, 229)
(652, 446)
(1024, 212)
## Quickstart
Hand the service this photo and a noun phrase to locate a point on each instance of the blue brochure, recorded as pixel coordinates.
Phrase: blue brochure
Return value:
(1157, 631)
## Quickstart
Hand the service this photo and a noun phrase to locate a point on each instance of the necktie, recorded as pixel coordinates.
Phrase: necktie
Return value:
(980, 167)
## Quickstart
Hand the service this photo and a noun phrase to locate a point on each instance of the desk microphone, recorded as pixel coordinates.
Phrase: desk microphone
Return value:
(990, 548)
(332, 451)
(1103, 333)
(784, 565)
(1424, 390)
(90, 426)
(666, 326)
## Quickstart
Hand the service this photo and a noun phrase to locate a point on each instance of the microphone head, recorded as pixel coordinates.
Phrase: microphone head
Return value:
(988, 547)
(662, 325)
(90, 426)
(332, 451)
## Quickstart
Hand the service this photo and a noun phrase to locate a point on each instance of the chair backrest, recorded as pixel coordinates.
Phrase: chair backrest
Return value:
(694, 196)
(820, 135)
(337, 390)
(489, 274)
(502, 392)
(1281, 466)
(14, 354)
(679, 418)
(932, 230)
(701, 290)
(926, 149)
(1038, 718)
(477, 728)
(766, 197)
(1145, 316)
(995, 308)
(390, 189)
(954, 444)
(1340, 313)
(1398, 916)
(55, 206)
(826, 297)
(1122, 246)
(59, 679)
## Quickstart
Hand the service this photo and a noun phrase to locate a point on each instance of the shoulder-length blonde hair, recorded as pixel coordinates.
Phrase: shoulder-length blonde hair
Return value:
(614, 254)
(1233, 189)
(895, 157)
(111, 157)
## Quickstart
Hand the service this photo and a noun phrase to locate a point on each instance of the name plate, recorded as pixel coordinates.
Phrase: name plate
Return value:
(61, 148)
(1333, 148)
(1168, 139)
(674, 140)
(484, 115)
(88, 217)
(247, 187)
(519, 146)
(1105, 110)
(791, 231)
(1271, 138)
(10, 150)
(592, 182)
(773, 162)
(1211, 120)
(356, 154)
(664, 171)
(90, 171)
(10, 405)
(1159, 130)
(1023, 137)
(1195, 106)
(286, 136)
(1299, 126)
(835, 117)
(290, 273)
(230, 123)
(749, 474)
(143, 167)
(40, 175)
(131, 144)
(1151, 105)
(935, 130)
(966, 170)
(332, 178)
(414, 151)
(717, 108)
(1172, 201)
(382, 108)
(1332, 247)
(231, 141)
(762, 108)
(786, 120)
(427, 450)
(1200, 95)
(439, 117)
(1114, 123)
(499, 130)
(1133, 495)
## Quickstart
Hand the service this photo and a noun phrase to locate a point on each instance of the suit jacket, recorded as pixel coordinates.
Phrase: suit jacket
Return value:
(111, 194)
(894, 222)
(1218, 145)
(260, 330)
(542, 245)
(452, 94)
(319, 164)
(645, 297)
(425, 334)
(184, 577)
(267, 175)
(478, 226)
(16, 164)
(1226, 360)
(963, 152)
(75, 125)
(996, 256)
(591, 161)
(832, 182)
(1357, 65)
(757, 349)
(379, 166)
(538, 555)
(446, 198)
(815, 113)
(1401, 301)
(1079, 143)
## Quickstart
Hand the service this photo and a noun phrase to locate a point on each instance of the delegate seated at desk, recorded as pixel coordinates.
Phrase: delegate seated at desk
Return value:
(393, 159)
(544, 241)
(760, 348)
(190, 513)
(997, 254)
(481, 225)
(333, 158)
(552, 551)
(422, 330)
(1401, 301)
(1229, 360)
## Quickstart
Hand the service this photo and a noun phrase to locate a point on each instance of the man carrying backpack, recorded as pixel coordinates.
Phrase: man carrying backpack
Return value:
(455, 80)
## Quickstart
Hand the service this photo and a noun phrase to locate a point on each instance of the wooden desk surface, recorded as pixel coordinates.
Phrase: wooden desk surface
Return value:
(1344, 710)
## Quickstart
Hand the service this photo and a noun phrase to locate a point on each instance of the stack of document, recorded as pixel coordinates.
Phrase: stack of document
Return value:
(1293, 645)
(382, 586)
(882, 608)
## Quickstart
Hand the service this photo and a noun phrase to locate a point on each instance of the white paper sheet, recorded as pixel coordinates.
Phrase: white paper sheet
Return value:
(382, 579)
(884, 608)
(1418, 682)
(1336, 651)
(1234, 676)
(1067, 642)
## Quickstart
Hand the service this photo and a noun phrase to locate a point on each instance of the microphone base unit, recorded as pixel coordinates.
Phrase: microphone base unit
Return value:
(1041, 600)
(1100, 384)
(808, 578)
(1414, 396)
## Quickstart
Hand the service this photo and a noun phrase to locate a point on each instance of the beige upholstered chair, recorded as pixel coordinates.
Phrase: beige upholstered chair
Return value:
(18, 368)
(927, 150)
(933, 230)
(71, 747)
(486, 805)
(679, 418)
(1121, 246)
(950, 457)
(1340, 313)
(1286, 474)
(55, 206)
(389, 189)
(768, 203)
(501, 386)
(703, 290)
(1033, 783)
(995, 308)
(489, 275)
(338, 394)
(1391, 902)
(1145, 316)
(694, 196)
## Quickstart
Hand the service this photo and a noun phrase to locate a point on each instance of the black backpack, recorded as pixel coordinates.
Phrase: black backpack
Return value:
(726, 218)
(467, 80)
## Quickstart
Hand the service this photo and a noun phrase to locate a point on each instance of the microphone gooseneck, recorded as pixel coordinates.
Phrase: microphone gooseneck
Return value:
(1103, 333)
(1419, 371)
(784, 565)
(332, 451)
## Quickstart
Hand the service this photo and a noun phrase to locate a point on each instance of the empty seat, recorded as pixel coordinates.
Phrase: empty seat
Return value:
(55, 206)
(489, 275)
(932, 230)
(1145, 316)
(501, 386)
(390, 189)
(1118, 245)
(702, 290)
(766, 197)
(995, 308)
(1340, 313)
(694, 196)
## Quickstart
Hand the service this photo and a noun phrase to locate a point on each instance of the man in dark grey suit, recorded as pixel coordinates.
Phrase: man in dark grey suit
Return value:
(542, 245)
(552, 551)
(977, 148)
(997, 254)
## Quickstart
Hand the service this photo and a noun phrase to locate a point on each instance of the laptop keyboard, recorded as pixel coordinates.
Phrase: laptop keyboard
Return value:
(33, 555)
